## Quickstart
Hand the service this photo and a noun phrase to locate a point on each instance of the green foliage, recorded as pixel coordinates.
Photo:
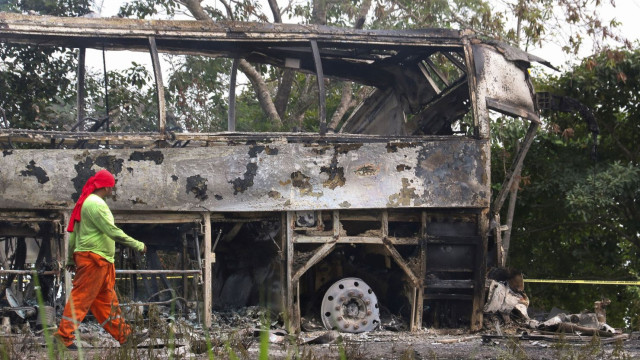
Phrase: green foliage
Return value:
(577, 219)
(609, 195)
(197, 93)
(31, 77)
(51, 7)
(146, 8)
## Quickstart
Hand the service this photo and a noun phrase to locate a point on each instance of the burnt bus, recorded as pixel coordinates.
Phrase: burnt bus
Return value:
(387, 211)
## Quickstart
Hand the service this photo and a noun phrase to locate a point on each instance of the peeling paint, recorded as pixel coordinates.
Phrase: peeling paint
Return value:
(320, 150)
(434, 160)
(271, 151)
(138, 201)
(242, 184)
(274, 194)
(7, 153)
(300, 180)
(257, 149)
(130, 170)
(365, 178)
(152, 155)
(84, 169)
(198, 186)
(56, 203)
(404, 197)
(367, 170)
(345, 204)
(38, 172)
(345, 148)
(83, 173)
(393, 147)
(336, 173)
(111, 163)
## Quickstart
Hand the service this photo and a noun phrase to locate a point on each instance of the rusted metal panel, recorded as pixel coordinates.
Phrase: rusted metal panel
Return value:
(180, 34)
(504, 85)
(257, 177)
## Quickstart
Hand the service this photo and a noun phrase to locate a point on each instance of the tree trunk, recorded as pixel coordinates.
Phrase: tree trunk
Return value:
(346, 102)
(343, 107)
(262, 91)
(284, 92)
(259, 85)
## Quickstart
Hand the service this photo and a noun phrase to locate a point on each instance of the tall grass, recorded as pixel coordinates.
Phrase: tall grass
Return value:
(263, 354)
(43, 317)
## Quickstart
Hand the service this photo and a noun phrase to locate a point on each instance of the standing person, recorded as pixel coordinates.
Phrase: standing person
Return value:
(91, 251)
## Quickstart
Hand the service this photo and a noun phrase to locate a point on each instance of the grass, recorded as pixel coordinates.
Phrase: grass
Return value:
(43, 317)
(238, 344)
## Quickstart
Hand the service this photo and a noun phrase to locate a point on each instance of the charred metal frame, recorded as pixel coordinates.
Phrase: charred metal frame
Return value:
(442, 181)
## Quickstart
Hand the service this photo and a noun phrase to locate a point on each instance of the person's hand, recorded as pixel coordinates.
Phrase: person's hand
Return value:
(144, 250)
(70, 267)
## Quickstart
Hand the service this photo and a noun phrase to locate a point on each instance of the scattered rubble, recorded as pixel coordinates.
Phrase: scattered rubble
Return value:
(507, 304)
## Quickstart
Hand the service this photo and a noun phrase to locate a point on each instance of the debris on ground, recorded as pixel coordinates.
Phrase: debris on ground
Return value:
(506, 315)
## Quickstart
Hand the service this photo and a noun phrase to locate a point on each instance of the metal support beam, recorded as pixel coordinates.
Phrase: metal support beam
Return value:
(497, 235)
(455, 61)
(432, 82)
(435, 69)
(29, 272)
(184, 263)
(80, 94)
(480, 271)
(515, 169)
(321, 90)
(394, 253)
(157, 72)
(283, 258)
(318, 255)
(293, 298)
(231, 121)
(157, 271)
(473, 87)
(402, 264)
(208, 281)
(423, 270)
(65, 250)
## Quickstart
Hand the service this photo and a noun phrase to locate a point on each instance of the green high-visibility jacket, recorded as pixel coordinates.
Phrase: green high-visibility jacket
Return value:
(96, 232)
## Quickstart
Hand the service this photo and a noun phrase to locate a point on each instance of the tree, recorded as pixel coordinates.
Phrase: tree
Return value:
(579, 219)
(283, 108)
(32, 79)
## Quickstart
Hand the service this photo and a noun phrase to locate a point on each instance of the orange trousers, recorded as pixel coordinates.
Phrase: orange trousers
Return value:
(93, 289)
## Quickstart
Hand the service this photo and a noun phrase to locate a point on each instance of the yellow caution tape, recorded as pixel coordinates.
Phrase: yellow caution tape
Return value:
(590, 282)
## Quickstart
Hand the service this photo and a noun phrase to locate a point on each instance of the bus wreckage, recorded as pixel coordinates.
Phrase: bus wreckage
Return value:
(392, 210)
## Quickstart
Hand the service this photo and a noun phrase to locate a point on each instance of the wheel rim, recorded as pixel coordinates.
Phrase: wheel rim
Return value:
(350, 305)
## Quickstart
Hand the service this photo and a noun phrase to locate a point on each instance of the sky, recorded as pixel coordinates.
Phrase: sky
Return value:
(626, 12)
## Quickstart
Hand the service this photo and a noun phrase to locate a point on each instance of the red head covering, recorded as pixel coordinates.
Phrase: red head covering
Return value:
(101, 179)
